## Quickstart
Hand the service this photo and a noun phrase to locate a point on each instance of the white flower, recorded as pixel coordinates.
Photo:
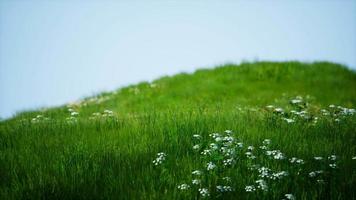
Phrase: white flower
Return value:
(228, 161)
(196, 172)
(183, 186)
(204, 192)
(263, 147)
(332, 157)
(269, 106)
(262, 184)
(214, 135)
(266, 141)
(196, 147)
(160, 158)
(224, 188)
(312, 174)
(206, 152)
(239, 144)
(228, 131)
(214, 146)
(288, 120)
(332, 106)
(74, 113)
(195, 181)
(289, 196)
(250, 148)
(332, 165)
(296, 101)
(210, 166)
(278, 110)
(318, 158)
(296, 160)
(279, 175)
(196, 136)
(250, 188)
(354, 158)
(264, 172)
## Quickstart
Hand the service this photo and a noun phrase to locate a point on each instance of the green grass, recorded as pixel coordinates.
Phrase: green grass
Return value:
(110, 157)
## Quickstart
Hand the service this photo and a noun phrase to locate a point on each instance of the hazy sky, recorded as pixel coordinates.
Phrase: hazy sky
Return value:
(53, 52)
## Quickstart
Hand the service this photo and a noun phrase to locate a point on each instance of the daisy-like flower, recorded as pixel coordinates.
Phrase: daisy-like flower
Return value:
(228, 131)
(210, 166)
(333, 165)
(197, 172)
(224, 188)
(204, 192)
(262, 184)
(195, 181)
(318, 158)
(250, 148)
(289, 196)
(183, 186)
(266, 141)
(196, 147)
(250, 188)
(332, 157)
(160, 158)
(228, 162)
(196, 136)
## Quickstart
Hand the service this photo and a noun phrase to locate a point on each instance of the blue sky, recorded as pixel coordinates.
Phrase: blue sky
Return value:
(53, 52)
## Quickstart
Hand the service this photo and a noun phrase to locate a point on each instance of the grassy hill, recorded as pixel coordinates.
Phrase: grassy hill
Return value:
(292, 132)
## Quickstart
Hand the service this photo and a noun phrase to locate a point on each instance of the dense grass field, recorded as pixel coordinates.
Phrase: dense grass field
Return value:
(261, 130)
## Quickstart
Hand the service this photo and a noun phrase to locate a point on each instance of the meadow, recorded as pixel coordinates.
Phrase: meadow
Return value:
(261, 130)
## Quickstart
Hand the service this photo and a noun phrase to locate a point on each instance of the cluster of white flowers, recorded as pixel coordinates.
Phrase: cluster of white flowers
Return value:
(195, 181)
(276, 154)
(160, 158)
(315, 173)
(289, 196)
(296, 160)
(210, 166)
(39, 118)
(224, 188)
(262, 185)
(204, 192)
(250, 188)
(197, 172)
(183, 186)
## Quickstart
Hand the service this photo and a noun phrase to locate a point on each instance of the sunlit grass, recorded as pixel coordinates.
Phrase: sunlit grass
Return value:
(105, 147)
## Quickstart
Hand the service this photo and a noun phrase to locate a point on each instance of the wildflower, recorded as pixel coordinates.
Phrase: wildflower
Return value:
(296, 101)
(195, 181)
(288, 120)
(318, 158)
(262, 184)
(239, 144)
(263, 147)
(250, 155)
(331, 106)
(269, 106)
(228, 131)
(289, 196)
(276, 154)
(74, 113)
(312, 174)
(160, 158)
(196, 172)
(226, 178)
(210, 166)
(333, 165)
(214, 135)
(320, 181)
(296, 160)
(206, 152)
(279, 175)
(196, 147)
(228, 161)
(264, 172)
(204, 192)
(278, 110)
(250, 148)
(266, 141)
(337, 120)
(332, 157)
(224, 188)
(354, 158)
(214, 146)
(315, 173)
(196, 136)
(250, 188)
(183, 186)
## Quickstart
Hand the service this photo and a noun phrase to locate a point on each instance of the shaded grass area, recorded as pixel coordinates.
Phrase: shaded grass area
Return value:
(111, 157)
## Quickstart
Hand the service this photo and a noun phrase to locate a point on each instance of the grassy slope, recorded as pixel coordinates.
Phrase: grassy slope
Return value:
(112, 157)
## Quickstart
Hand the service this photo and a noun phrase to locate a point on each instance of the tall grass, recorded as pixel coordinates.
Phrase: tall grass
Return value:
(109, 156)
